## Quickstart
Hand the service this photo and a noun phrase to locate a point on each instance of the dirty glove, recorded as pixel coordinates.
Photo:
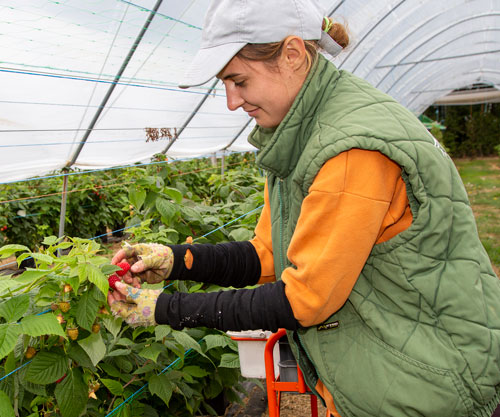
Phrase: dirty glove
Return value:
(135, 305)
(152, 262)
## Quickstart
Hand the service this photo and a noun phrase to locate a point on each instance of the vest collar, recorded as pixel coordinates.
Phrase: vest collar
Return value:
(282, 146)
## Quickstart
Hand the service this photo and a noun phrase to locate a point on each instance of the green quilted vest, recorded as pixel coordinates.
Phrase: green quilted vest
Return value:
(420, 332)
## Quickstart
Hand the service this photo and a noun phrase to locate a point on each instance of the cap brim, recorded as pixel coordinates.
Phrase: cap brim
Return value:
(208, 62)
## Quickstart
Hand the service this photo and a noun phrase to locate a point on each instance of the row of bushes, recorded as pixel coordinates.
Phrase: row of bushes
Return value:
(76, 359)
(471, 131)
(99, 202)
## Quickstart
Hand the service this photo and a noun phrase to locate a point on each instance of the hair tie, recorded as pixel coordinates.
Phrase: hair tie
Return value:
(328, 24)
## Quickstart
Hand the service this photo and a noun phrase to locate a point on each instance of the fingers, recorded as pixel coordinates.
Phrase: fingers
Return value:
(128, 278)
(139, 266)
(132, 281)
(119, 256)
(122, 289)
(113, 296)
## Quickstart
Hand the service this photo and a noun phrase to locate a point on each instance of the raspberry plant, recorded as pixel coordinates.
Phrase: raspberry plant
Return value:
(80, 360)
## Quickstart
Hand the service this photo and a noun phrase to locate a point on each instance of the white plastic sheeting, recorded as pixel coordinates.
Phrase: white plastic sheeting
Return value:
(58, 60)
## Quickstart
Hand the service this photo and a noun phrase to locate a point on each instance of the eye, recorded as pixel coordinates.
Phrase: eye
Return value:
(239, 83)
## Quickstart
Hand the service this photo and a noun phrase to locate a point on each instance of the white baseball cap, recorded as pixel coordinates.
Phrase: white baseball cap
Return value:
(231, 24)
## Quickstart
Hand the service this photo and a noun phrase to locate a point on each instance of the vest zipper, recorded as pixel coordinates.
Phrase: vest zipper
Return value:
(302, 348)
(280, 182)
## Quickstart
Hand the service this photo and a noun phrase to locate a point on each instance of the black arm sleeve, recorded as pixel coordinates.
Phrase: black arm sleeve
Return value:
(232, 264)
(265, 307)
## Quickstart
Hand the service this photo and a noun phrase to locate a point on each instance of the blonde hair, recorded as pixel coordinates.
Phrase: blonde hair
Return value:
(270, 52)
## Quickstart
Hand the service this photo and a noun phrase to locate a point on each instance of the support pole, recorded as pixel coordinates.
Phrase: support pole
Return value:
(193, 113)
(115, 81)
(237, 135)
(99, 111)
(222, 164)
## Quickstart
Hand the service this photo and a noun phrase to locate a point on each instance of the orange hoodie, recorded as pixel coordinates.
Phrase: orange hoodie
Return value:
(357, 200)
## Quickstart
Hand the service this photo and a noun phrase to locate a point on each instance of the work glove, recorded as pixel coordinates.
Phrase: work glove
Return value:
(135, 305)
(151, 262)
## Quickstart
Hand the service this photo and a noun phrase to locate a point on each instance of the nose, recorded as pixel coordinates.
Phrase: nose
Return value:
(233, 97)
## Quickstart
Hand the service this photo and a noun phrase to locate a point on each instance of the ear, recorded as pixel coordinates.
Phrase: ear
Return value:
(294, 53)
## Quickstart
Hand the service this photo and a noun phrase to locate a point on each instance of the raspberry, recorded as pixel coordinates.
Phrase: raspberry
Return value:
(64, 306)
(125, 266)
(30, 352)
(72, 333)
(112, 280)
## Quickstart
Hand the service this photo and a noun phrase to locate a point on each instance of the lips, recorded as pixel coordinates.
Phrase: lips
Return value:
(253, 112)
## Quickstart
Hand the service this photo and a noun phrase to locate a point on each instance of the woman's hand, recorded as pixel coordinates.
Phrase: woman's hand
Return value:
(135, 305)
(150, 262)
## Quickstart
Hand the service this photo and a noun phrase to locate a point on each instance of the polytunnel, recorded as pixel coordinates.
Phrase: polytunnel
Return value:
(84, 81)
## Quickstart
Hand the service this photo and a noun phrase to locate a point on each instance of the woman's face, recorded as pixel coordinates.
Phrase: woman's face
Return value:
(265, 93)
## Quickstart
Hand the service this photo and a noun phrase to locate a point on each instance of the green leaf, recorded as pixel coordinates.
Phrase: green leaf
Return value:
(124, 341)
(241, 234)
(113, 324)
(47, 367)
(162, 331)
(110, 370)
(8, 338)
(147, 367)
(86, 311)
(82, 272)
(113, 386)
(152, 351)
(40, 325)
(72, 394)
(173, 193)
(22, 257)
(95, 276)
(46, 259)
(161, 386)
(6, 409)
(50, 240)
(78, 355)
(94, 347)
(195, 371)
(140, 330)
(215, 340)
(9, 250)
(136, 197)
(187, 341)
(190, 214)
(7, 286)
(230, 360)
(10, 363)
(74, 282)
(14, 308)
(64, 245)
(166, 209)
(119, 352)
(31, 275)
(124, 364)
(107, 269)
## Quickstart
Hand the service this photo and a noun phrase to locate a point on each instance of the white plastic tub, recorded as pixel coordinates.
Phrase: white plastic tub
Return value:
(251, 344)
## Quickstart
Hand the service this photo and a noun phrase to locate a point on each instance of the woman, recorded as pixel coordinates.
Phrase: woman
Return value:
(366, 241)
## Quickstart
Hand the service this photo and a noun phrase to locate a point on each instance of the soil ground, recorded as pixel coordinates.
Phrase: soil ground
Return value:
(255, 405)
